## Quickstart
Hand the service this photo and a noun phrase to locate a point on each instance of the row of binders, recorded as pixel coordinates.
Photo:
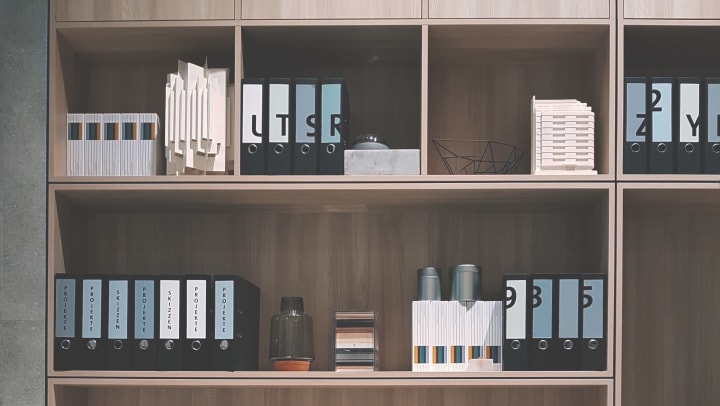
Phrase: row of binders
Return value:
(555, 322)
(355, 341)
(455, 336)
(563, 137)
(293, 126)
(146, 323)
(672, 125)
(113, 144)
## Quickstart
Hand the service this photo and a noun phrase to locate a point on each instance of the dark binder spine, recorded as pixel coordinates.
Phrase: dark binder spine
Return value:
(247, 319)
(196, 349)
(92, 313)
(278, 154)
(516, 323)
(567, 316)
(67, 324)
(117, 345)
(253, 127)
(334, 126)
(689, 126)
(542, 348)
(594, 322)
(635, 128)
(236, 313)
(143, 329)
(170, 327)
(304, 102)
(711, 130)
(660, 126)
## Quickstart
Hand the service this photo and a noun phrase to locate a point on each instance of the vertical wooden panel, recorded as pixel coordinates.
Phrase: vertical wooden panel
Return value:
(519, 9)
(108, 10)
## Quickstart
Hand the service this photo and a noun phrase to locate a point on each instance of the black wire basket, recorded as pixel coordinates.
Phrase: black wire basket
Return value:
(473, 157)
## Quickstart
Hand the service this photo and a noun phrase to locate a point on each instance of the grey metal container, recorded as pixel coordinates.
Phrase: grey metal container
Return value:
(428, 283)
(465, 282)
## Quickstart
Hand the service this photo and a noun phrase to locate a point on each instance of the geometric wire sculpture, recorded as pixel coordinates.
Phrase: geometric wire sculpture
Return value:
(472, 157)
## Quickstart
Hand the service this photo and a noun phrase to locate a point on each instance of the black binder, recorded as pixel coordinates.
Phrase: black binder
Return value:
(515, 349)
(711, 130)
(304, 131)
(594, 322)
(567, 314)
(171, 317)
(334, 127)
(660, 125)
(67, 324)
(236, 313)
(117, 345)
(253, 130)
(689, 126)
(196, 351)
(542, 323)
(635, 150)
(278, 152)
(144, 298)
(91, 314)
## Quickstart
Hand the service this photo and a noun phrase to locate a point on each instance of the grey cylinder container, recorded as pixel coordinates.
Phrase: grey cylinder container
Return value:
(428, 283)
(465, 282)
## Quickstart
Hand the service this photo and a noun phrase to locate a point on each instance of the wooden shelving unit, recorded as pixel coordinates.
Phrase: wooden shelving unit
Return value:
(417, 70)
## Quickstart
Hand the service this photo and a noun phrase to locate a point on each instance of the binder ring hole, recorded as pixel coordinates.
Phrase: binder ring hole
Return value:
(689, 148)
(252, 149)
(593, 344)
(92, 344)
(330, 148)
(279, 148)
(662, 148)
(543, 345)
(568, 344)
(65, 344)
(224, 345)
(196, 345)
(117, 344)
(515, 345)
(716, 148)
(305, 149)
(635, 147)
(144, 345)
(169, 344)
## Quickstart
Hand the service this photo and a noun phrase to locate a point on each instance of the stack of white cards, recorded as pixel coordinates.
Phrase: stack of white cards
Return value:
(563, 137)
(456, 336)
(198, 111)
(113, 144)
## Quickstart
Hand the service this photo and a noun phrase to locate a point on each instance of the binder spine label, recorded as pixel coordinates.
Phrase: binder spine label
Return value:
(305, 118)
(224, 310)
(92, 308)
(689, 112)
(515, 312)
(593, 298)
(542, 309)
(713, 113)
(279, 109)
(144, 310)
(568, 310)
(661, 105)
(196, 308)
(331, 115)
(117, 310)
(170, 309)
(635, 115)
(65, 308)
(252, 115)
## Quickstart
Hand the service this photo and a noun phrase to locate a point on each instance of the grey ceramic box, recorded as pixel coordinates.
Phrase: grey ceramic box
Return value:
(382, 162)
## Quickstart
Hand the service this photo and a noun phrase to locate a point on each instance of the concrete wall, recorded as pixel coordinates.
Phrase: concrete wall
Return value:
(23, 135)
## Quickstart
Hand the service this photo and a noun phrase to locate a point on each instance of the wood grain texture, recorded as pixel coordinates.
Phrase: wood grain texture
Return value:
(364, 260)
(686, 9)
(112, 10)
(519, 9)
(670, 284)
(325, 9)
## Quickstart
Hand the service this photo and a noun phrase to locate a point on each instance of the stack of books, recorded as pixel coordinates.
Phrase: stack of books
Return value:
(355, 341)
(563, 137)
(112, 144)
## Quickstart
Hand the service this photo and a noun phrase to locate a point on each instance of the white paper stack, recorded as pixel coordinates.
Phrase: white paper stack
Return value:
(563, 137)
(196, 120)
(456, 336)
